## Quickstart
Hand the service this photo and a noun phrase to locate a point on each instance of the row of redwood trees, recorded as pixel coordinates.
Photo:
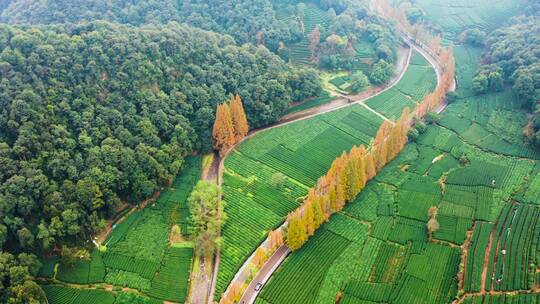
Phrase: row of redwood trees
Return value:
(346, 177)
(350, 172)
(230, 125)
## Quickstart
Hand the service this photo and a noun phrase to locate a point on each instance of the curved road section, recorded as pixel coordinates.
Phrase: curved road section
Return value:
(200, 291)
(256, 285)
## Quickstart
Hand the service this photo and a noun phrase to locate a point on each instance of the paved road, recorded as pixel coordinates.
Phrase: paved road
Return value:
(264, 274)
(404, 56)
(403, 63)
(273, 263)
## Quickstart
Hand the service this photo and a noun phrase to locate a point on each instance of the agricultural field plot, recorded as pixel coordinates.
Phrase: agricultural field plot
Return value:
(137, 251)
(456, 16)
(392, 263)
(171, 283)
(64, 295)
(493, 122)
(302, 279)
(57, 294)
(467, 63)
(476, 255)
(516, 236)
(313, 16)
(341, 82)
(300, 153)
(524, 298)
(418, 81)
(531, 192)
(395, 204)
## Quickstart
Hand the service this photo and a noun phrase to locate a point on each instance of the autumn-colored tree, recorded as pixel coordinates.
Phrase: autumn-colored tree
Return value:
(362, 169)
(381, 155)
(436, 44)
(233, 294)
(296, 232)
(405, 125)
(357, 157)
(237, 291)
(334, 173)
(308, 219)
(433, 211)
(276, 239)
(392, 143)
(260, 257)
(351, 179)
(325, 205)
(371, 170)
(239, 120)
(223, 131)
(380, 147)
(332, 200)
(318, 214)
(340, 196)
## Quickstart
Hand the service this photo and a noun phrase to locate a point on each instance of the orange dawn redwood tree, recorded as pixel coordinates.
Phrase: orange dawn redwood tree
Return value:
(239, 120)
(349, 173)
(223, 131)
(347, 176)
(230, 124)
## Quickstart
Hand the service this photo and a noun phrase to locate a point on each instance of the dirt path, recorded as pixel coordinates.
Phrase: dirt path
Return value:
(465, 248)
(213, 171)
(485, 266)
(201, 282)
(487, 255)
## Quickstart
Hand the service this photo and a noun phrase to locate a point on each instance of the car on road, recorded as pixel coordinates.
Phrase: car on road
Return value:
(259, 286)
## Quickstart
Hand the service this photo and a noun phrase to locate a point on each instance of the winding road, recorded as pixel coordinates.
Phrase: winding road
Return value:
(203, 289)
(279, 256)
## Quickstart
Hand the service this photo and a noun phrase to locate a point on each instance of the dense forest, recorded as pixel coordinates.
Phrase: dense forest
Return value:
(241, 19)
(512, 56)
(95, 114)
(253, 22)
(100, 101)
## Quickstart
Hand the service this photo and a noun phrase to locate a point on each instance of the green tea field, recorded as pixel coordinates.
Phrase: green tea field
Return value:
(418, 81)
(475, 167)
(138, 253)
(301, 152)
(456, 16)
